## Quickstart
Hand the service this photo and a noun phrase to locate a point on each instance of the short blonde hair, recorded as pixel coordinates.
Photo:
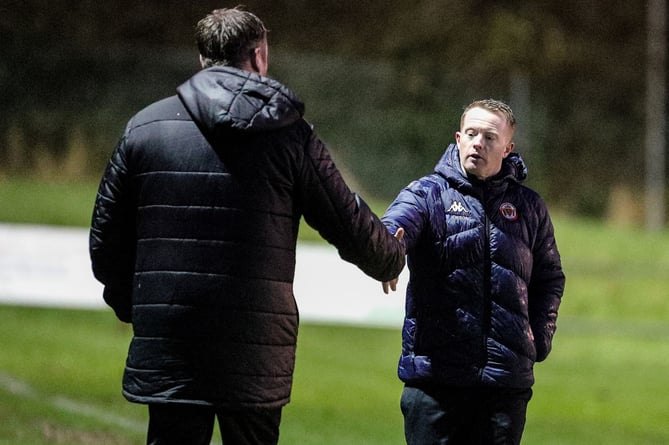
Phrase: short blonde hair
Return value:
(495, 106)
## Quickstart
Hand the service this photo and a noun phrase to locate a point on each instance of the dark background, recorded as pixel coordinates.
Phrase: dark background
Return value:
(384, 83)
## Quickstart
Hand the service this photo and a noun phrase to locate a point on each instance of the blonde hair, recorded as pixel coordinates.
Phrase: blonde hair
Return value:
(495, 106)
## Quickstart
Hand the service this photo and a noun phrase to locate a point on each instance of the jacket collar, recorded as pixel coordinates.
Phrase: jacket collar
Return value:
(513, 169)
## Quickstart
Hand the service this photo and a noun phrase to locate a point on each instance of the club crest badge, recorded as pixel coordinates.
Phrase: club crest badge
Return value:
(508, 211)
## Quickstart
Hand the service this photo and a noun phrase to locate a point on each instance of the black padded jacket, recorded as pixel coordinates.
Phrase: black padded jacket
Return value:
(194, 233)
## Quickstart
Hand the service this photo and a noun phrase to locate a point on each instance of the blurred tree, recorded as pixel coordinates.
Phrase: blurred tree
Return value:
(386, 80)
(656, 117)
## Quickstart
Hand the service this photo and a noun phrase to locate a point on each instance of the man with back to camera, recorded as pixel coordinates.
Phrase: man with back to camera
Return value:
(485, 284)
(193, 236)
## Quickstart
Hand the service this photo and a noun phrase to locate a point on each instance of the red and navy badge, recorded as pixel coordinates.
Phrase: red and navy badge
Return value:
(508, 211)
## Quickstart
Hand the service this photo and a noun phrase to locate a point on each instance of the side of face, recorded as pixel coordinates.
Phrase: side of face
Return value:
(484, 140)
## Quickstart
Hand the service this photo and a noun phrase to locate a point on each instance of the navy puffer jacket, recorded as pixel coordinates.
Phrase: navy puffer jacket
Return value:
(485, 277)
(194, 233)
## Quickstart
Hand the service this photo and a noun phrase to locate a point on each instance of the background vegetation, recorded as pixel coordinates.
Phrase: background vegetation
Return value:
(384, 83)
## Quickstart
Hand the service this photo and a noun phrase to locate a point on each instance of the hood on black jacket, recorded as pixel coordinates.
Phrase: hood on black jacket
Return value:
(513, 168)
(220, 99)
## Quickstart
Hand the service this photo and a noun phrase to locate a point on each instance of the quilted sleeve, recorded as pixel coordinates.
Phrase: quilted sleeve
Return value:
(111, 237)
(344, 219)
(409, 211)
(546, 285)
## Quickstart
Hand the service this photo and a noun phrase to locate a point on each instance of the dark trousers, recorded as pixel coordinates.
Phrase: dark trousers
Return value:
(467, 416)
(180, 424)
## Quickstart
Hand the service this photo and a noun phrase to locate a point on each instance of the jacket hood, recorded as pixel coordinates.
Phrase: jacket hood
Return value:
(220, 99)
(513, 169)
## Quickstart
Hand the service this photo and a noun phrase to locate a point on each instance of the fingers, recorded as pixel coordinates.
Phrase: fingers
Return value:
(392, 285)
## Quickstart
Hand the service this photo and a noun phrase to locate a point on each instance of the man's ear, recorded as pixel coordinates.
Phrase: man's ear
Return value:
(509, 148)
(255, 62)
(259, 61)
(201, 61)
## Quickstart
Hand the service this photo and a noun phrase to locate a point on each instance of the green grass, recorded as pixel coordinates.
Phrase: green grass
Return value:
(613, 273)
(47, 202)
(602, 384)
(63, 358)
(605, 381)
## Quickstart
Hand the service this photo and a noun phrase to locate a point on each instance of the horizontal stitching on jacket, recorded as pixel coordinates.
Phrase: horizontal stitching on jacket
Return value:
(226, 340)
(137, 125)
(185, 206)
(271, 376)
(180, 172)
(186, 240)
(227, 308)
(212, 241)
(185, 272)
(169, 206)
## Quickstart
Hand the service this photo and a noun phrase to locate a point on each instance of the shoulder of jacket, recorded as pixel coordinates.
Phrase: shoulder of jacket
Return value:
(167, 109)
(302, 134)
(429, 184)
(529, 195)
(303, 127)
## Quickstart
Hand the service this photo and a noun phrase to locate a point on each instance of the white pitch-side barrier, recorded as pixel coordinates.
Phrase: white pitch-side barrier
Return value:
(49, 266)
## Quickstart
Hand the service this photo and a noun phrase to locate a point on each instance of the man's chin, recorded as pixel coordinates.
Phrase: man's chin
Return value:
(471, 169)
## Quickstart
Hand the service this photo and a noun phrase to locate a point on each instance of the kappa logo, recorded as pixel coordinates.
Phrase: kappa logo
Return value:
(457, 207)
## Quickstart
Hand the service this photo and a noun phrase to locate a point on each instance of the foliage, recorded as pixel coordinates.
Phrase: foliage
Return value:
(384, 82)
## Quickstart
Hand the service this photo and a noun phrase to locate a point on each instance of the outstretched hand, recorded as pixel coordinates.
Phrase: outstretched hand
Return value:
(392, 284)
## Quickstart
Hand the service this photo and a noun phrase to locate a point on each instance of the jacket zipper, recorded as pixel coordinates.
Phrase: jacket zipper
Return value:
(487, 284)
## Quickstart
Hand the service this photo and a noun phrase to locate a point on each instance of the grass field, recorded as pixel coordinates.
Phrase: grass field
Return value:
(606, 381)
(60, 383)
